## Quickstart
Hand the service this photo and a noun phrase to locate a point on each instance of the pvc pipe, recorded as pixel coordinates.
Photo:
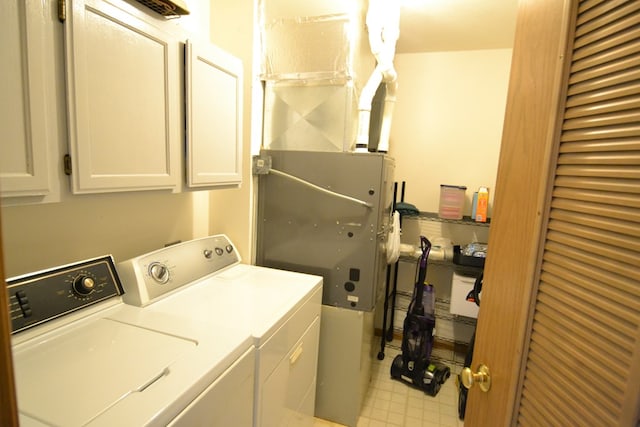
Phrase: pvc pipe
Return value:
(364, 109)
(387, 115)
(383, 24)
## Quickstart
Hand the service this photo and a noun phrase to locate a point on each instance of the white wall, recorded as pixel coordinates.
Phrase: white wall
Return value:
(80, 227)
(447, 123)
(232, 29)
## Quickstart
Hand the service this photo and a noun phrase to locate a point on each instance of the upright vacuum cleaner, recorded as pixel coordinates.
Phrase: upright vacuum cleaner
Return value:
(414, 365)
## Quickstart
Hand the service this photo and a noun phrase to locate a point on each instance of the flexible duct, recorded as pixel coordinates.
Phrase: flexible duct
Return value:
(383, 24)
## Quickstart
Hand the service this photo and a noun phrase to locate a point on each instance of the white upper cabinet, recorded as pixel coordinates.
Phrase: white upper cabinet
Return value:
(28, 132)
(106, 86)
(213, 116)
(124, 103)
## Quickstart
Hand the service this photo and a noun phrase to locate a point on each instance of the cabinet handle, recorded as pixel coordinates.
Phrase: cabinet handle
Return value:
(295, 355)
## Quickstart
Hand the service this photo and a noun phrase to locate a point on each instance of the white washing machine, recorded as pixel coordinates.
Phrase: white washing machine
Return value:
(280, 308)
(83, 358)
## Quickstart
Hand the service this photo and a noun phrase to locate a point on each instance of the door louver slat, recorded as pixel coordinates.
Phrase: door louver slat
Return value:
(587, 5)
(601, 217)
(617, 212)
(607, 106)
(629, 258)
(581, 340)
(601, 236)
(610, 12)
(620, 199)
(602, 158)
(619, 131)
(606, 264)
(587, 314)
(581, 253)
(563, 271)
(539, 411)
(557, 385)
(622, 32)
(574, 378)
(596, 100)
(628, 75)
(596, 300)
(624, 144)
(613, 118)
(622, 64)
(607, 56)
(605, 184)
(615, 172)
(591, 9)
(572, 357)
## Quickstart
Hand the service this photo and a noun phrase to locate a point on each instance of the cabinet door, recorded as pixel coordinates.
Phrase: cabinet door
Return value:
(123, 100)
(214, 116)
(24, 169)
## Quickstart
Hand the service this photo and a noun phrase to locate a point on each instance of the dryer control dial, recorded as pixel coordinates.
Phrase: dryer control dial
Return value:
(159, 272)
(83, 285)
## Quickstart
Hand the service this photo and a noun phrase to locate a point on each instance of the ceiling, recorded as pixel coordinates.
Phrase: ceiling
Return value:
(446, 25)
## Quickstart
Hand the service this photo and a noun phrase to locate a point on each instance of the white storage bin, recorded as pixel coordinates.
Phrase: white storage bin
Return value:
(460, 288)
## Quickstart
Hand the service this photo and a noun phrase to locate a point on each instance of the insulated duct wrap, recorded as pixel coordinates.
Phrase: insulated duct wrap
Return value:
(315, 61)
(307, 48)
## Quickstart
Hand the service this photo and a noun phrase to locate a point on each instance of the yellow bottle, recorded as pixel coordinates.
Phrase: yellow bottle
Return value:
(483, 204)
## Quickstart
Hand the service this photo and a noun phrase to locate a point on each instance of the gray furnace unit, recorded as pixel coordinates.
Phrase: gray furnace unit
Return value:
(328, 213)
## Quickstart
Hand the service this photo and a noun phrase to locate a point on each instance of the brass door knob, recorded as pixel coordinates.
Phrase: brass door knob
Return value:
(482, 378)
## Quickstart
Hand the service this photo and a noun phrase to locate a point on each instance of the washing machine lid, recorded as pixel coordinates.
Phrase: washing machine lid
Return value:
(72, 376)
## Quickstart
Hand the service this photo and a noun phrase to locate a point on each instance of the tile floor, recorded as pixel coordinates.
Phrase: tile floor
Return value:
(391, 403)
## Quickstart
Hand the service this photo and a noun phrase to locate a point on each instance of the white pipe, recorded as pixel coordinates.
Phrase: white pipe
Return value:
(364, 109)
(389, 104)
(383, 24)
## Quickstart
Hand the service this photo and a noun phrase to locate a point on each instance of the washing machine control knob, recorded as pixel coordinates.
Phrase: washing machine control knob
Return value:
(83, 285)
(159, 272)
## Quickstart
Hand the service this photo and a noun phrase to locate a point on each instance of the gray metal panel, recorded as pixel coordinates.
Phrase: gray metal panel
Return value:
(304, 230)
(344, 364)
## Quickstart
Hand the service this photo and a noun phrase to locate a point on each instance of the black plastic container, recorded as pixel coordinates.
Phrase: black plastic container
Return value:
(468, 261)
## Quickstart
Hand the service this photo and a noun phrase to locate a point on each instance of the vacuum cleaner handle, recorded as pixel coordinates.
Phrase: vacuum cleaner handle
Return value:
(425, 244)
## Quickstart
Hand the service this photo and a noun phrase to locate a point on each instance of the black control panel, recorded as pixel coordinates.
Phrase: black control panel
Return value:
(48, 294)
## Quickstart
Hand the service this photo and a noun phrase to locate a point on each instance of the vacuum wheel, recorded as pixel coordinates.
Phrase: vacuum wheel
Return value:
(443, 374)
(396, 367)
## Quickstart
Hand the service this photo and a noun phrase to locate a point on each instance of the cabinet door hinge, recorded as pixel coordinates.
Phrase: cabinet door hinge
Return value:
(62, 10)
(66, 161)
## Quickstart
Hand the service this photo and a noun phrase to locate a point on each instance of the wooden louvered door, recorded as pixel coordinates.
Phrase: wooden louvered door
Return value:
(559, 323)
